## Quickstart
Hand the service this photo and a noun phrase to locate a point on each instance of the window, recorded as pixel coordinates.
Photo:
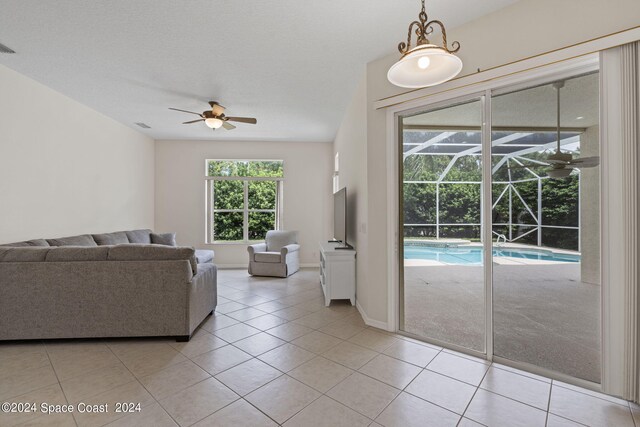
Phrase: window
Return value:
(244, 199)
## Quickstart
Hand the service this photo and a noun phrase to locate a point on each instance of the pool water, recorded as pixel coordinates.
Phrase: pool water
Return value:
(473, 255)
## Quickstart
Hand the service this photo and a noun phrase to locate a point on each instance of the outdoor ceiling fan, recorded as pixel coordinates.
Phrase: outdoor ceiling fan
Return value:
(562, 164)
(215, 118)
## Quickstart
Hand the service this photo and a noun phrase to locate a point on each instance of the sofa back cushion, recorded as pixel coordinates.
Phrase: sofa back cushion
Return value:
(168, 239)
(153, 252)
(77, 253)
(34, 242)
(23, 254)
(276, 239)
(82, 240)
(116, 238)
(139, 236)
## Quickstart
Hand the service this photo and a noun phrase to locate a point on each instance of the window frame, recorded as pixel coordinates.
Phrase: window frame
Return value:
(210, 198)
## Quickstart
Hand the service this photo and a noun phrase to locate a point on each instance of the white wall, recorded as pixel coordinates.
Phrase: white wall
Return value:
(66, 169)
(524, 29)
(180, 191)
(351, 145)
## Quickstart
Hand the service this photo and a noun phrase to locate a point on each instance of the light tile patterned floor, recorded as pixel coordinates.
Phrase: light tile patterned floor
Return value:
(273, 354)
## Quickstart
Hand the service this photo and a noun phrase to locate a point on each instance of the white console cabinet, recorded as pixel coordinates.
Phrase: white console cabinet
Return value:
(337, 273)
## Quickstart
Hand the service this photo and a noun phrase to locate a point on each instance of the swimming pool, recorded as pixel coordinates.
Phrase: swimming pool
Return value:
(472, 255)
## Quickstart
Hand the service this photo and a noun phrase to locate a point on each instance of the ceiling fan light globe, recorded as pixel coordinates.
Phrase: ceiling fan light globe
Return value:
(424, 65)
(213, 123)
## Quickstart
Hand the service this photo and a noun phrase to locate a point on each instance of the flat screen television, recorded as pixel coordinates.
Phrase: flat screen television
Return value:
(340, 218)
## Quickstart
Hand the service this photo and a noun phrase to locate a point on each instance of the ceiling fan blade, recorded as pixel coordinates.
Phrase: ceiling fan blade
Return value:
(250, 120)
(228, 126)
(586, 162)
(185, 111)
(216, 108)
(527, 167)
(193, 121)
(557, 162)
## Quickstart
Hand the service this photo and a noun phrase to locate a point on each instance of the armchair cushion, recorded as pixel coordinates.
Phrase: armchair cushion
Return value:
(276, 239)
(271, 257)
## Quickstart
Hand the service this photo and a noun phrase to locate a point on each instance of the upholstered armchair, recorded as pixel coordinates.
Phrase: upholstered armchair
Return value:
(277, 256)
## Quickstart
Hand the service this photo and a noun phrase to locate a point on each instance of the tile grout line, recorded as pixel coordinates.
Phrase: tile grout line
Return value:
(475, 392)
(143, 386)
(392, 400)
(58, 378)
(306, 298)
(501, 368)
(589, 394)
(546, 419)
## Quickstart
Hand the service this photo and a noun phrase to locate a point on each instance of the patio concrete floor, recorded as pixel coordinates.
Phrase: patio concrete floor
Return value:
(543, 314)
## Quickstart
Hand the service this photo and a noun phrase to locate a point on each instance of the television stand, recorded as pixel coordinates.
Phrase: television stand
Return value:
(337, 272)
(346, 246)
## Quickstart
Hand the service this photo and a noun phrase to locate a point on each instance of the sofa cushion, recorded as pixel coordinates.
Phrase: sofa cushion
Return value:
(139, 236)
(82, 240)
(115, 238)
(153, 252)
(167, 239)
(276, 239)
(204, 255)
(272, 257)
(15, 245)
(34, 242)
(23, 254)
(77, 253)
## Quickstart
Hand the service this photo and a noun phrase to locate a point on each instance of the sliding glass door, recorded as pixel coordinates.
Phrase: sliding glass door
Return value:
(443, 296)
(546, 222)
(537, 303)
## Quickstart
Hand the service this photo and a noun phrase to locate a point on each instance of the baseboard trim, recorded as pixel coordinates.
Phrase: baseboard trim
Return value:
(369, 321)
(232, 266)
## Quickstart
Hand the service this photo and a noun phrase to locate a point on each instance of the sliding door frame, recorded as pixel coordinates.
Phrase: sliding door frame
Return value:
(483, 91)
(480, 96)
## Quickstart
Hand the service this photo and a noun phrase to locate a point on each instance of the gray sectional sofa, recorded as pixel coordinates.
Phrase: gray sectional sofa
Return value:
(94, 286)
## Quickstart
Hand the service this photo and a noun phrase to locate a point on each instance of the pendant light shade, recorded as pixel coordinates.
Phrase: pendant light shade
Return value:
(425, 64)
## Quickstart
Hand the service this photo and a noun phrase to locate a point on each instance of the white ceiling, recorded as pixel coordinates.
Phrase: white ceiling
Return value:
(292, 64)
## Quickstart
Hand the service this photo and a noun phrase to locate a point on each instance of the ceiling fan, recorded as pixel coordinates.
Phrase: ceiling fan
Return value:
(562, 164)
(215, 118)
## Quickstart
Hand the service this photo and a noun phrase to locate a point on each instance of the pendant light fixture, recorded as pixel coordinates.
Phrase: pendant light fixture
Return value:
(425, 64)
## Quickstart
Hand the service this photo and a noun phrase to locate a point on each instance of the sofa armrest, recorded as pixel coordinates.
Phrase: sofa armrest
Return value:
(294, 247)
(258, 247)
